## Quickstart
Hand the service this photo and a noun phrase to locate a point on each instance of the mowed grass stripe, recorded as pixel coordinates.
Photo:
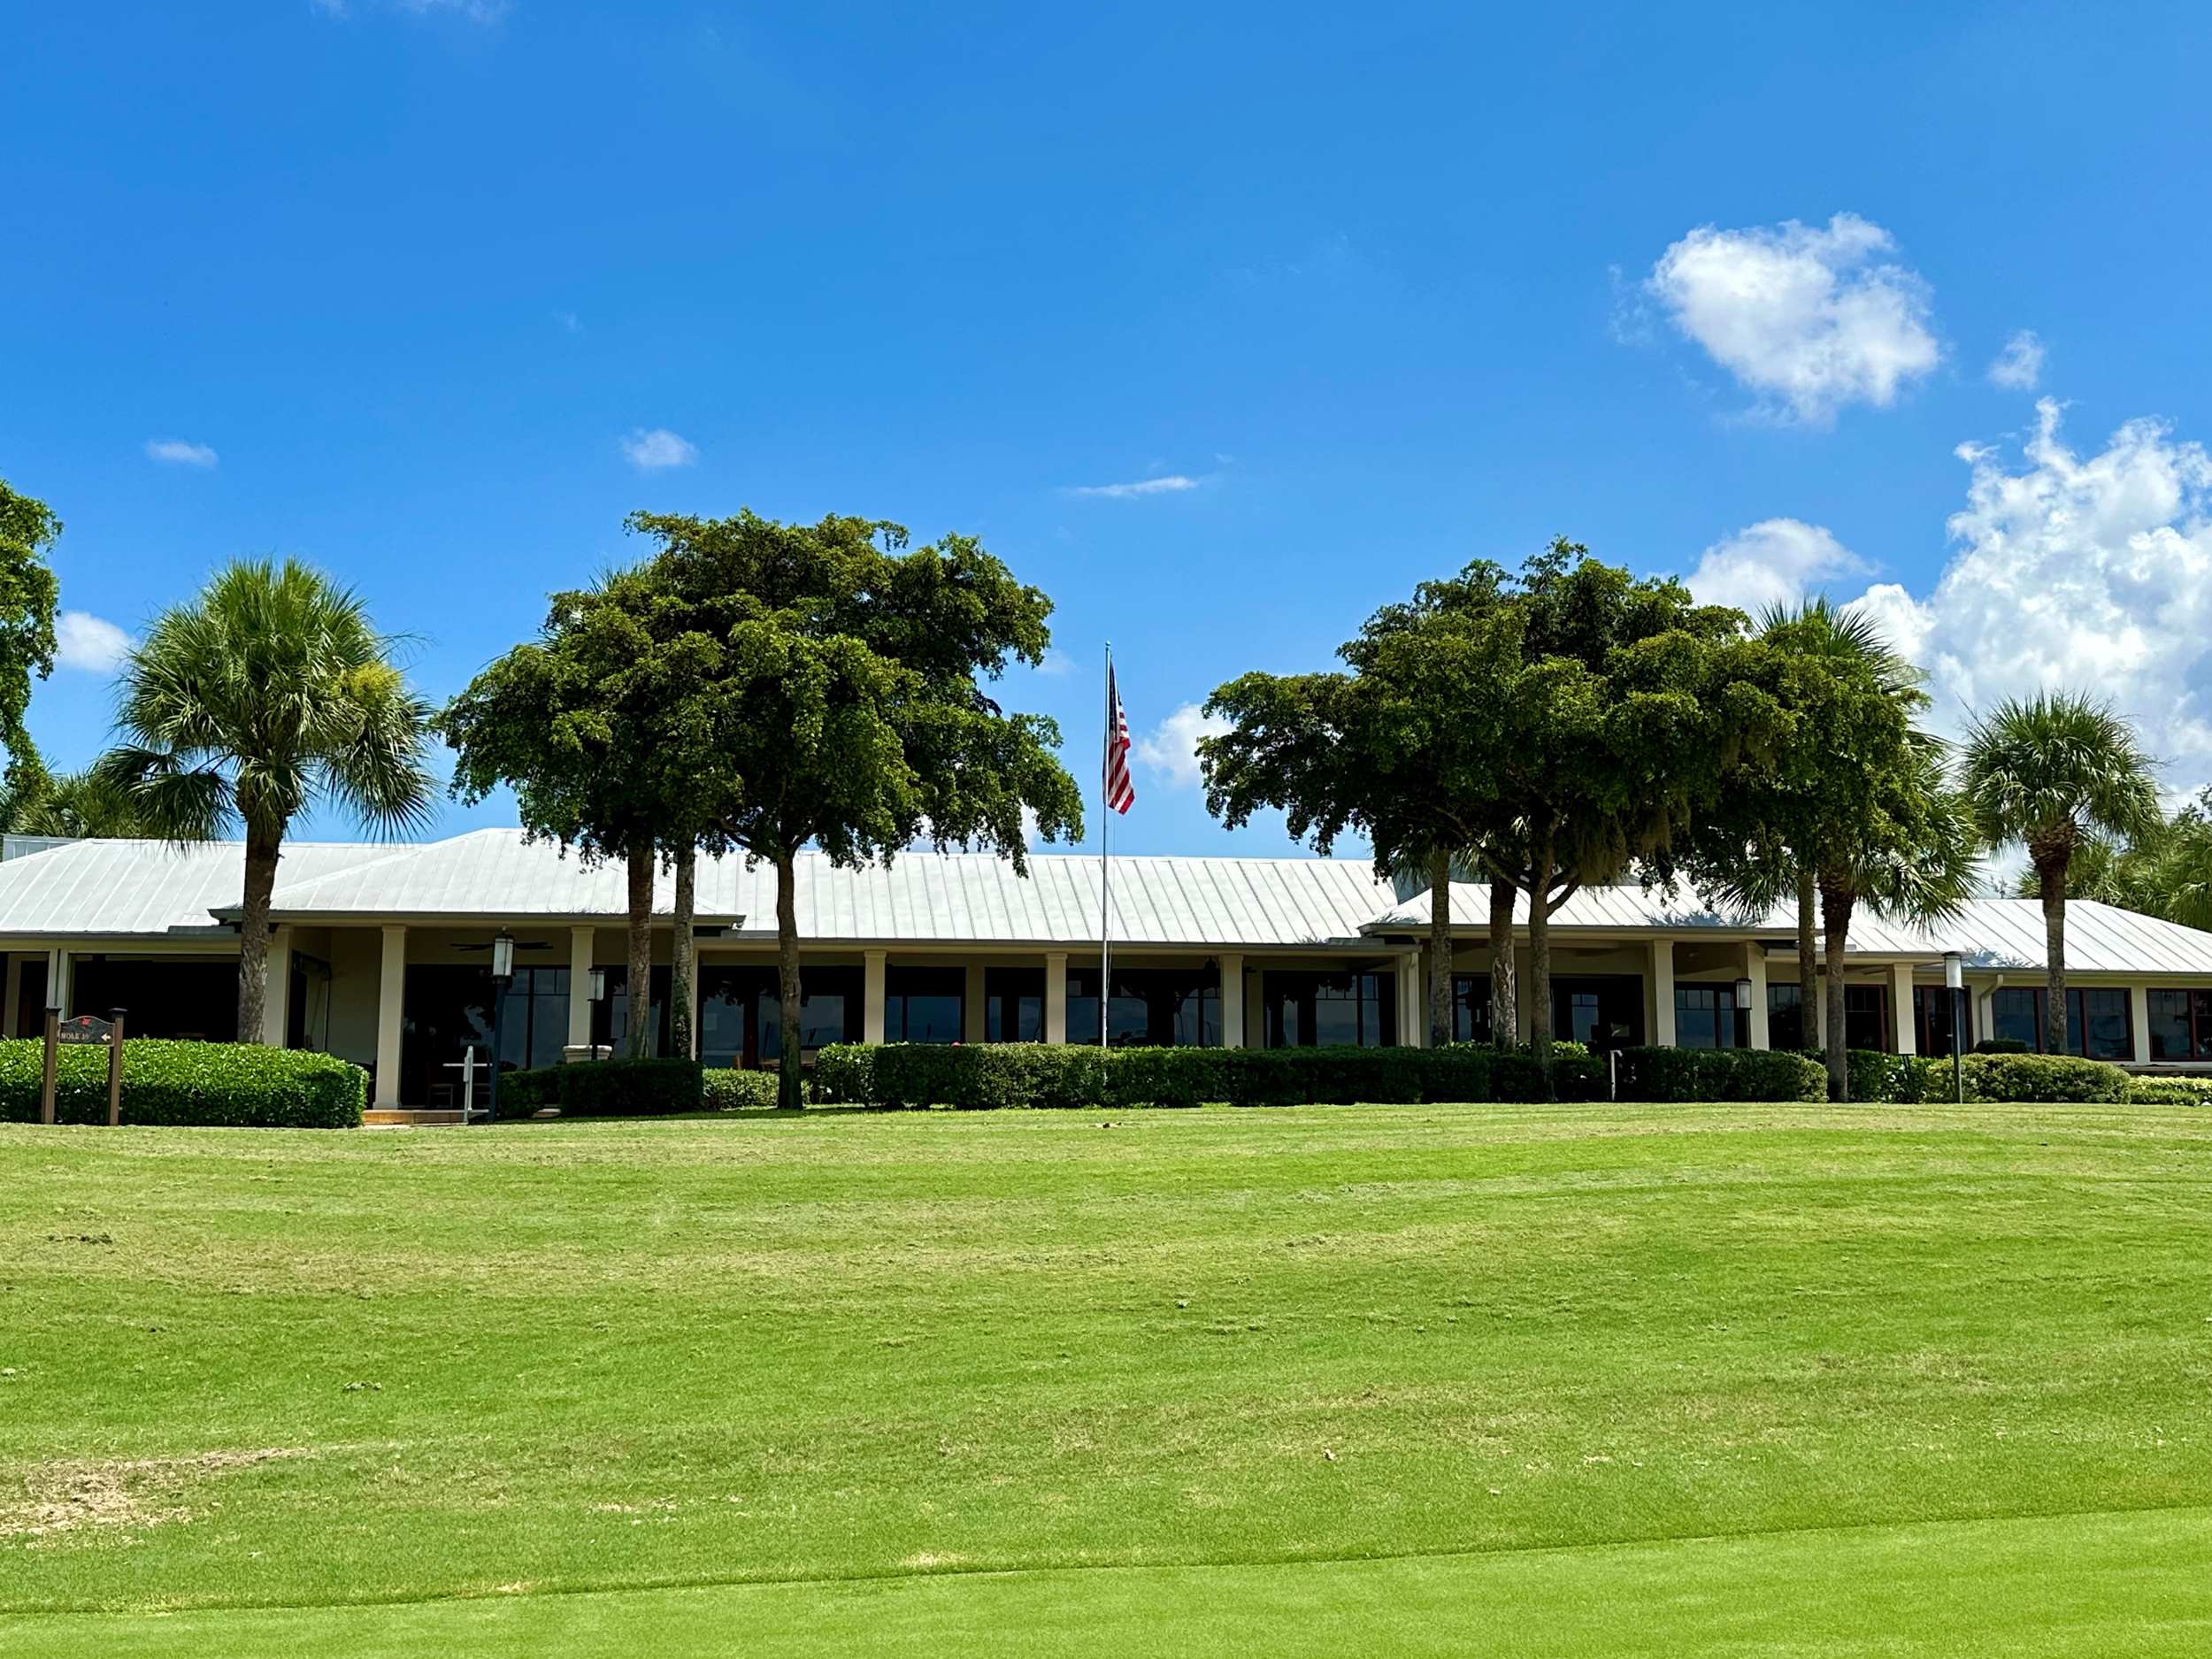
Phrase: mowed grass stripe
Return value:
(601, 1355)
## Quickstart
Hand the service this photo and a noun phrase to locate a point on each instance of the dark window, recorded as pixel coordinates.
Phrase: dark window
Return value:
(610, 1023)
(2098, 1023)
(158, 998)
(1786, 1016)
(1305, 1010)
(740, 1020)
(1471, 1007)
(1706, 1017)
(923, 1004)
(1156, 1007)
(1604, 1011)
(1866, 1017)
(1931, 1006)
(447, 1010)
(1013, 1004)
(2181, 1025)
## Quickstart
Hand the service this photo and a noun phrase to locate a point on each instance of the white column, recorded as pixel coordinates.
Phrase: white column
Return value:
(61, 981)
(1756, 971)
(391, 986)
(872, 995)
(2138, 1020)
(1412, 1004)
(1983, 1025)
(276, 995)
(1662, 993)
(973, 1028)
(14, 995)
(1901, 1007)
(582, 943)
(1056, 996)
(1232, 972)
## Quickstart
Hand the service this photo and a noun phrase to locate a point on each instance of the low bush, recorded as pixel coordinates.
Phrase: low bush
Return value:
(522, 1093)
(626, 1089)
(1719, 1074)
(2001, 1045)
(845, 1074)
(972, 1077)
(213, 1085)
(2169, 1091)
(2043, 1077)
(729, 1089)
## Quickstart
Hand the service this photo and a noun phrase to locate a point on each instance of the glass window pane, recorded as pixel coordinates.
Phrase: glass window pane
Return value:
(2013, 1011)
(2097, 1024)
(1786, 1016)
(2169, 1025)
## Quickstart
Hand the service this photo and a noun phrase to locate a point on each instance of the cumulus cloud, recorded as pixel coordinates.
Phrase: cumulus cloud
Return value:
(177, 452)
(2020, 364)
(649, 452)
(1810, 319)
(1775, 562)
(93, 643)
(1170, 485)
(1171, 748)
(2093, 571)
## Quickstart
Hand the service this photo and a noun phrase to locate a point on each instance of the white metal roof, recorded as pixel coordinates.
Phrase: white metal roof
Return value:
(121, 887)
(1999, 933)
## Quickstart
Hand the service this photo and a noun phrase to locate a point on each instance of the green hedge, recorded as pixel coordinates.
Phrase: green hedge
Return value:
(2042, 1076)
(2169, 1091)
(1078, 1076)
(729, 1089)
(218, 1084)
(609, 1088)
(1719, 1074)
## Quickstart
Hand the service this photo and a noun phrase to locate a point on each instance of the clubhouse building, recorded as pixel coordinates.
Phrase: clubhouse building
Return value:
(382, 955)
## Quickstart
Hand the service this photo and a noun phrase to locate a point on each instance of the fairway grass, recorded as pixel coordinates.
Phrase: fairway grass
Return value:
(1578, 1379)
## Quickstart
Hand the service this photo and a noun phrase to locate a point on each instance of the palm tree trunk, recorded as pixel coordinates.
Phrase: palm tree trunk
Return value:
(263, 851)
(2050, 874)
(637, 1041)
(788, 1094)
(1505, 1013)
(1539, 955)
(1808, 960)
(1836, 904)
(683, 990)
(1439, 947)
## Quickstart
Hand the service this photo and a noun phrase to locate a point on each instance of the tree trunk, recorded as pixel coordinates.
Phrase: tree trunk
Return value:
(2050, 873)
(788, 1094)
(1505, 1012)
(262, 853)
(683, 990)
(1440, 1021)
(1807, 962)
(1836, 904)
(638, 990)
(1540, 956)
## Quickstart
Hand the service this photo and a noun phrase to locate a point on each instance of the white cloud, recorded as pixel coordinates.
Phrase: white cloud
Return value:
(649, 452)
(1171, 748)
(2020, 364)
(1056, 663)
(1775, 562)
(1812, 319)
(570, 322)
(93, 643)
(1172, 484)
(474, 10)
(2088, 571)
(177, 452)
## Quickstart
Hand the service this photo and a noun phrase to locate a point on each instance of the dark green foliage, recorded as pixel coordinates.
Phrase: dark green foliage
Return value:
(2043, 1077)
(522, 1093)
(845, 1074)
(626, 1089)
(729, 1089)
(2001, 1045)
(27, 595)
(910, 1075)
(1169, 1077)
(205, 1085)
(2169, 1091)
(1719, 1074)
(1875, 1076)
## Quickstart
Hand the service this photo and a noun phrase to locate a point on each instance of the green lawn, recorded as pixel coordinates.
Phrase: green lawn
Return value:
(1391, 1379)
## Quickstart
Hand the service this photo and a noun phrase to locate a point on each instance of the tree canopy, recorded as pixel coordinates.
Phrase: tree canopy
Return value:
(28, 594)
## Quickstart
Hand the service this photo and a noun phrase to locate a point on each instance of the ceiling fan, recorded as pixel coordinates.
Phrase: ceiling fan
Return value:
(521, 944)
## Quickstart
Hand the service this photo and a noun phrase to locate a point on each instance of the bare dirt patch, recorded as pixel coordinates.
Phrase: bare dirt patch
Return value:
(74, 1496)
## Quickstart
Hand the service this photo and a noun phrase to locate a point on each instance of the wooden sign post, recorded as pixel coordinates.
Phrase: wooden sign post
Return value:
(86, 1028)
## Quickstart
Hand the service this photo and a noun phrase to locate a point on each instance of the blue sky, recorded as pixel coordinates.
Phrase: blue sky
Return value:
(433, 294)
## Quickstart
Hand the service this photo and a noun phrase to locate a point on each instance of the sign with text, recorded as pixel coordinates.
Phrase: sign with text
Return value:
(84, 1028)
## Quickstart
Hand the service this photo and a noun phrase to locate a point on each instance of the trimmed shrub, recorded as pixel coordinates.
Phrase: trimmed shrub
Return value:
(2043, 1077)
(1455, 1072)
(213, 1085)
(1168, 1077)
(2169, 1091)
(910, 1075)
(628, 1089)
(845, 1074)
(2001, 1045)
(729, 1089)
(522, 1093)
(1877, 1079)
(1719, 1074)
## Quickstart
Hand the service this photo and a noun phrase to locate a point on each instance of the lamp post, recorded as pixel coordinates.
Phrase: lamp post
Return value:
(1954, 983)
(503, 974)
(1743, 996)
(598, 983)
(53, 1041)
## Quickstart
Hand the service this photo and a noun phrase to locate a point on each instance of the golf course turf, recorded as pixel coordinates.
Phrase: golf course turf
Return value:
(1350, 1379)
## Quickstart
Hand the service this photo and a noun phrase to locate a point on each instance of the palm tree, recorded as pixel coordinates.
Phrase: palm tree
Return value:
(1846, 636)
(2055, 772)
(81, 806)
(270, 692)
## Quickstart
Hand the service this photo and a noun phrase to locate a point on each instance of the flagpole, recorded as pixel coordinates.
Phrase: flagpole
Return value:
(1105, 859)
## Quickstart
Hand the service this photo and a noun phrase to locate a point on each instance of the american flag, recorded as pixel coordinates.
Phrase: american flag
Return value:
(1120, 793)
